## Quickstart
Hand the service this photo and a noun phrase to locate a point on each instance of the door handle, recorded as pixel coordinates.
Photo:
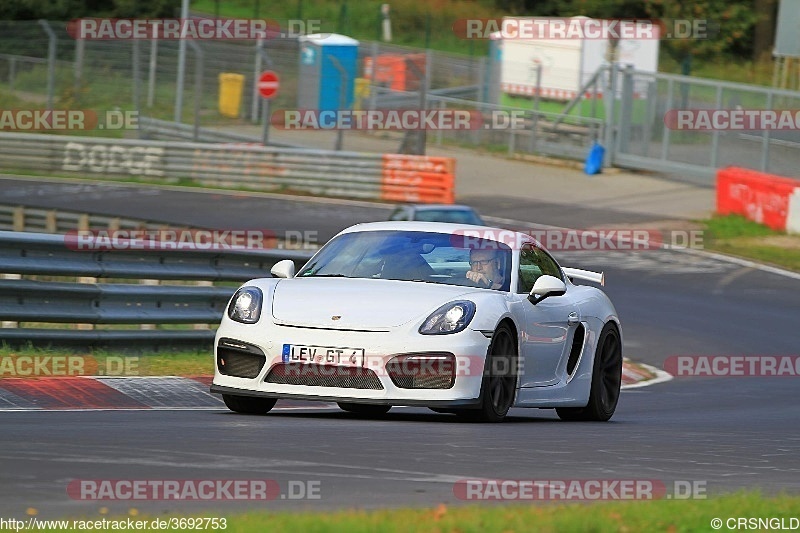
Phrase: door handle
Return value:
(573, 318)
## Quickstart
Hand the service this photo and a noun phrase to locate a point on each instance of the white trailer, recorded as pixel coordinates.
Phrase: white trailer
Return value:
(567, 63)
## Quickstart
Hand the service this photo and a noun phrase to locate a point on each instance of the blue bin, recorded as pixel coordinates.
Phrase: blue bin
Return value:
(594, 162)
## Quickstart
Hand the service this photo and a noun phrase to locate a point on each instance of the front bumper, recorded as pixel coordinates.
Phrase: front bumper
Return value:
(469, 348)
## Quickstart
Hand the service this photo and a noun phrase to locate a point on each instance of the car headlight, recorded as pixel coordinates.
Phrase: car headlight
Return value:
(449, 318)
(245, 305)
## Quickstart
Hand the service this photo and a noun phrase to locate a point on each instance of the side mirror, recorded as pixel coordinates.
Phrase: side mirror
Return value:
(283, 269)
(546, 286)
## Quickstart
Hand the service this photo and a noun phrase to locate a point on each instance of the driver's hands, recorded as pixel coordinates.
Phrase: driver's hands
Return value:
(478, 277)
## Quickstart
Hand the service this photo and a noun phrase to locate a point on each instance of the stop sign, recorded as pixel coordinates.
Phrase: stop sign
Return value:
(268, 84)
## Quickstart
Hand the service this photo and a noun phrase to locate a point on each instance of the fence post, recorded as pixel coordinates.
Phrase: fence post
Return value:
(198, 87)
(256, 74)
(610, 97)
(80, 48)
(373, 78)
(664, 129)
(136, 85)
(181, 63)
(51, 62)
(626, 109)
(765, 137)
(715, 135)
(12, 68)
(151, 81)
(342, 98)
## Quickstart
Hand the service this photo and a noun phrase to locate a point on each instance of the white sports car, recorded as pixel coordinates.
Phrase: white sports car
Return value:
(461, 319)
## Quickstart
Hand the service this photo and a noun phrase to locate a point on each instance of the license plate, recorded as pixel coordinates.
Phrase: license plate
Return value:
(323, 355)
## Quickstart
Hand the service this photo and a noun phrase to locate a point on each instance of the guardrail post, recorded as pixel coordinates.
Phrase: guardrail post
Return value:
(10, 323)
(89, 281)
(19, 219)
(534, 132)
(203, 284)
(51, 222)
(149, 282)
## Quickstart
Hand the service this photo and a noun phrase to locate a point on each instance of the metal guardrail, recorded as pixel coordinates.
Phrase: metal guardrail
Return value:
(331, 173)
(63, 302)
(156, 129)
(23, 218)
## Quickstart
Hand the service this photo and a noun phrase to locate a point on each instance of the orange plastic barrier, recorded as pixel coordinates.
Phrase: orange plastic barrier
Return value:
(393, 71)
(763, 198)
(418, 178)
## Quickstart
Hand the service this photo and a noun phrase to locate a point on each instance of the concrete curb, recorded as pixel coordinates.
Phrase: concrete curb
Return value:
(84, 393)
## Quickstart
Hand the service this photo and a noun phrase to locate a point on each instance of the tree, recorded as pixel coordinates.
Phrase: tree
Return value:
(728, 27)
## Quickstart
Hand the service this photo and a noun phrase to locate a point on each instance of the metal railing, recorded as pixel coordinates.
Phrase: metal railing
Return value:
(48, 302)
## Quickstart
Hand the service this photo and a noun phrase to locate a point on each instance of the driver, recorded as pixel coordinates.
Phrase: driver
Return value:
(485, 269)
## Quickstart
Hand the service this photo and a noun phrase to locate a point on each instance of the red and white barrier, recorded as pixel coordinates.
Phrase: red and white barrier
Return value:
(764, 198)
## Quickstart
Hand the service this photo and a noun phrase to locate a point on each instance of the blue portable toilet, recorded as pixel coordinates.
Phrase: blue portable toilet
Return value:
(320, 81)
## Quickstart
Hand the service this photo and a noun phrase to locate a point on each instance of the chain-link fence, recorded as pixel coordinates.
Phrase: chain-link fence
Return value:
(42, 66)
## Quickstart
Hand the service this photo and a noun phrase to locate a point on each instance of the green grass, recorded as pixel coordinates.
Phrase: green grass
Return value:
(736, 235)
(731, 226)
(656, 516)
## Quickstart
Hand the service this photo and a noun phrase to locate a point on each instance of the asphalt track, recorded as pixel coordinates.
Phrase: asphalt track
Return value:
(725, 433)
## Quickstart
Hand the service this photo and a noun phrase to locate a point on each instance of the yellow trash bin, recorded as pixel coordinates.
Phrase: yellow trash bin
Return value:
(361, 92)
(230, 94)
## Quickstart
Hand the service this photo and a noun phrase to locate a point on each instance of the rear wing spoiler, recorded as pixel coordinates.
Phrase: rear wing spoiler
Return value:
(587, 275)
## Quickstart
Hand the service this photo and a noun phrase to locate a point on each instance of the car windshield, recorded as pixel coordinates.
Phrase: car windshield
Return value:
(455, 216)
(412, 256)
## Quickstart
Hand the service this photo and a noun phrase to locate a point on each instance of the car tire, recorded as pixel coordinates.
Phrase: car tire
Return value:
(499, 379)
(606, 380)
(364, 409)
(248, 405)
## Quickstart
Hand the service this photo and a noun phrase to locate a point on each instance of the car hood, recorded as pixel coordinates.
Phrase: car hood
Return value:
(359, 303)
